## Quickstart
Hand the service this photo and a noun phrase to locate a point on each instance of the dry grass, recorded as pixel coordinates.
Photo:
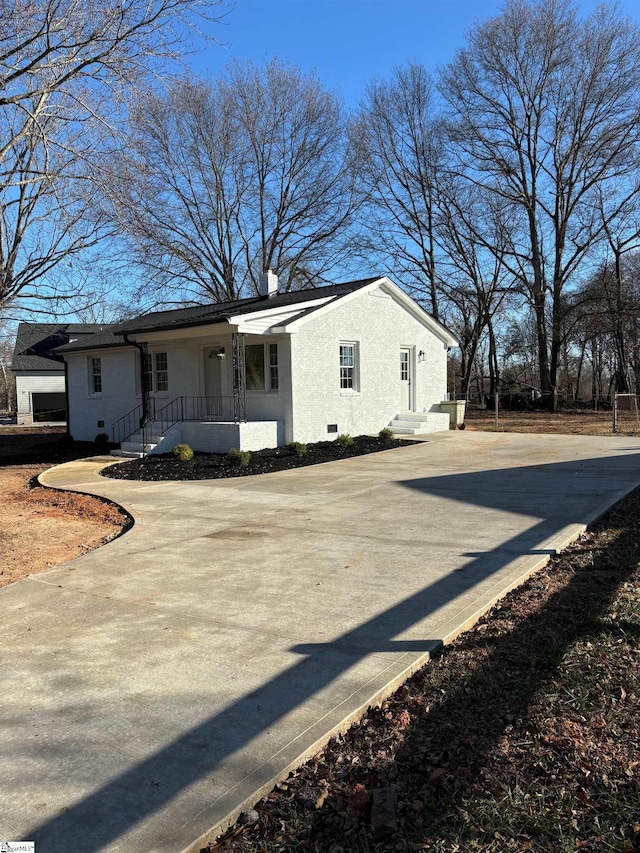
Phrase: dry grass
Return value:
(564, 422)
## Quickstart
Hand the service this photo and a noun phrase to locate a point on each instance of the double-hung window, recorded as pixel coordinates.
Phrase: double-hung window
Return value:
(349, 366)
(95, 377)
(261, 361)
(273, 367)
(156, 371)
(161, 372)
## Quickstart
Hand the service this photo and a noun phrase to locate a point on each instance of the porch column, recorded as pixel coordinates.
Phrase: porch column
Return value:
(239, 378)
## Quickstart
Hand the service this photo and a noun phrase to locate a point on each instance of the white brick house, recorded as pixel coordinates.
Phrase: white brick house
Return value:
(265, 371)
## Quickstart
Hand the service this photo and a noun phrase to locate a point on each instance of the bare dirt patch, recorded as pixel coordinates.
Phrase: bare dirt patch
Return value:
(570, 422)
(41, 528)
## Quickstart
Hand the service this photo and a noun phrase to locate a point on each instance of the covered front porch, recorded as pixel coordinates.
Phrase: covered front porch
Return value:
(227, 395)
(206, 424)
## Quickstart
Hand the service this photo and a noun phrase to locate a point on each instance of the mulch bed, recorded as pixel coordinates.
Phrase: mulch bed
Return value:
(208, 466)
(523, 735)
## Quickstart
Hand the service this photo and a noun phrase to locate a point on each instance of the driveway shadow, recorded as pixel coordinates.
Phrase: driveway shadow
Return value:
(458, 721)
(557, 495)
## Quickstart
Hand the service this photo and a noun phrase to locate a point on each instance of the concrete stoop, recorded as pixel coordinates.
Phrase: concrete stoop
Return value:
(135, 447)
(417, 423)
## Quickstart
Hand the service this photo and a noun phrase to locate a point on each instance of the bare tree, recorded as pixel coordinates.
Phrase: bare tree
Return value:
(622, 231)
(607, 315)
(396, 133)
(475, 281)
(226, 179)
(178, 191)
(64, 65)
(424, 218)
(7, 378)
(544, 112)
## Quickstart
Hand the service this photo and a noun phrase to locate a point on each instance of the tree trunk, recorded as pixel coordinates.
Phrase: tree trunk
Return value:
(546, 386)
(493, 360)
(576, 390)
(7, 391)
(621, 377)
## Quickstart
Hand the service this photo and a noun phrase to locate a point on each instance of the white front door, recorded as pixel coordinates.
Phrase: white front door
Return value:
(213, 384)
(405, 379)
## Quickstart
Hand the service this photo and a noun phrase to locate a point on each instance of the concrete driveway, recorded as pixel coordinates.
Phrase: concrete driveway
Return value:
(154, 687)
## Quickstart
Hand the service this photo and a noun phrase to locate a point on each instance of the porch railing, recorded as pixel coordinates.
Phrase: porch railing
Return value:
(127, 424)
(161, 418)
(192, 409)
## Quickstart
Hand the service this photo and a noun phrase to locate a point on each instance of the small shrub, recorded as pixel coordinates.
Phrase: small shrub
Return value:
(345, 440)
(239, 458)
(102, 439)
(183, 452)
(385, 434)
(297, 448)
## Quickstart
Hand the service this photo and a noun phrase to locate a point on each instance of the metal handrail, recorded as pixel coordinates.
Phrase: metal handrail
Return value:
(170, 414)
(127, 425)
(183, 409)
(132, 421)
(178, 410)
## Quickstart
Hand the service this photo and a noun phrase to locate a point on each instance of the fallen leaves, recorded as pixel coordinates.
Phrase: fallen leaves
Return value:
(359, 801)
(313, 796)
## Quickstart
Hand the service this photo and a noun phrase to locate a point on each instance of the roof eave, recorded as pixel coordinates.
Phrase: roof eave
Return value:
(88, 348)
(392, 288)
(169, 327)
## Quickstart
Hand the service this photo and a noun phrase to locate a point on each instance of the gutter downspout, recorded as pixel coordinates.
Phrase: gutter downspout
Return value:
(142, 349)
(66, 396)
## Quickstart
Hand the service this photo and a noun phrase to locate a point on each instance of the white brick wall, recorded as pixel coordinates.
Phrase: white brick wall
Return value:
(381, 327)
(118, 391)
(220, 438)
(269, 405)
(186, 366)
(309, 396)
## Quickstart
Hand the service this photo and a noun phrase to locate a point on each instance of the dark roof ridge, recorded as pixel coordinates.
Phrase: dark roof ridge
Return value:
(37, 343)
(214, 312)
(195, 315)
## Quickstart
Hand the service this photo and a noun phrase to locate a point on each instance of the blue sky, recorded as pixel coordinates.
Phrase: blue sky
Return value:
(350, 42)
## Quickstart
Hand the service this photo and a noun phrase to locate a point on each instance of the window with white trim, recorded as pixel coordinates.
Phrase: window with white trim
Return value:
(156, 369)
(349, 366)
(273, 367)
(95, 378)
(404, 365)
(161, 372)
(261, 363)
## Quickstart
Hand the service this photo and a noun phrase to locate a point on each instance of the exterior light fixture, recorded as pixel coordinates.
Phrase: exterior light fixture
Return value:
(421, 355)
(217, 353)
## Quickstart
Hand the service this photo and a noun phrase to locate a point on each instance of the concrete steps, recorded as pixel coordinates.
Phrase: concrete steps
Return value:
(135, 446)
(418, 423)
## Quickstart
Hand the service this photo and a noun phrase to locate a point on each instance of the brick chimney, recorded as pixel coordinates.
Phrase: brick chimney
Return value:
(268, 284)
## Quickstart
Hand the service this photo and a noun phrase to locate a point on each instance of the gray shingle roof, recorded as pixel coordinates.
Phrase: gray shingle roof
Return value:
(36, 342)
(201, 315)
